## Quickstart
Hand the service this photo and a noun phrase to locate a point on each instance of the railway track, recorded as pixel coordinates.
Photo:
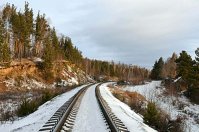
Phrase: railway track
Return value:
(63, 119)
(115, 124)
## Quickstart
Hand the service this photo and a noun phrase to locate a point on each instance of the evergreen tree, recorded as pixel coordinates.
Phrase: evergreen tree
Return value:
(151, 115)
(160, 68)
(196, 68)
(55, 42)
(184, 65)
(6, 15)
(28, 29)
(156, 72)
(4, 46)
(197, 55)
(18, 28)
(48, 58)
(189, 71)
(72, 53)
(68, 48)
(1, 39)
(41, 27)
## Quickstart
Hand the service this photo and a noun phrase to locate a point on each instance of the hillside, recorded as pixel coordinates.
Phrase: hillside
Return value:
(26, 80)
(26, 75)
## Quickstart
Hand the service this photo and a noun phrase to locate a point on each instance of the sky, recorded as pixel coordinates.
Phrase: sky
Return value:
(134, 32)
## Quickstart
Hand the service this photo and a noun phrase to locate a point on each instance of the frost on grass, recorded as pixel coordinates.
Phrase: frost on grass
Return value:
(23, 82)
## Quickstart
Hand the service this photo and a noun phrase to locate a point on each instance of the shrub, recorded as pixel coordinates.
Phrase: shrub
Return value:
(7, 115)
(119, 96)
(160, 121)
(48, 75)
(27, 107)
(151, 115)
(132, 99)
(137, 102)
(47, 95)
(176, 125)
(194, 92)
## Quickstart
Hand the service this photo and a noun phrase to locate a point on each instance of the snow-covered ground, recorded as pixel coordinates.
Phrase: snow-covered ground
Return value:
(131, 120)
(89, 117)
(26, 83)
(34, 121)
(153, 91)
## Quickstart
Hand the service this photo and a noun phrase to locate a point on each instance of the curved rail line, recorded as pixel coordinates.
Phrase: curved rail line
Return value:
(63, 119)
(115, 124)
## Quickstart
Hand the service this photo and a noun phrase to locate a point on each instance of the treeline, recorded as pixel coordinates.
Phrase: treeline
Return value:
(22, 36)
(182, 67)
(104, 69)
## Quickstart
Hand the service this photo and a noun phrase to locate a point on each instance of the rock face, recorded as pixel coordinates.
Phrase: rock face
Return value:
(24, 66)
(26, 75)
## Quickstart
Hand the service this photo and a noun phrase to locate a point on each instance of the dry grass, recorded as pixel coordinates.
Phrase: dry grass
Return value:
(137, 81)
(136, 101)
(2, 87)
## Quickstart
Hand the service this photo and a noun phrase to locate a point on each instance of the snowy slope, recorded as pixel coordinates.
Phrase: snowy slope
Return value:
(153, 91)
(147, 90)
(34, 121)
(131, 120)
(89, 118)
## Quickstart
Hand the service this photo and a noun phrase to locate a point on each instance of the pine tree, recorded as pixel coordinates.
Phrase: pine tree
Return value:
(197, 55)
(188, 70)
(151, 115)
(68, 48)
(193, 89)
(184, 65)
(18, 28)
(41, 27)
(56, 45)
(48, 58)
(196, 67)
(28, 29)
(156, 72)
(160, 68)
(6, 16)
(4, 46)
(1, 39)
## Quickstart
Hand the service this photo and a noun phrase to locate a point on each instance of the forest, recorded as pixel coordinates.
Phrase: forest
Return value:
(22, 36)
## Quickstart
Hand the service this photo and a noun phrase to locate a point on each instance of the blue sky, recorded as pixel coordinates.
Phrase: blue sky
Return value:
(129, 31)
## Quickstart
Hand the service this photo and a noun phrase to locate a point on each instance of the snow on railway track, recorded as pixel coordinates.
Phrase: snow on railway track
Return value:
(115, 124)
(34, 121)
(63, 118)
(132, 121)
(90, 117)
